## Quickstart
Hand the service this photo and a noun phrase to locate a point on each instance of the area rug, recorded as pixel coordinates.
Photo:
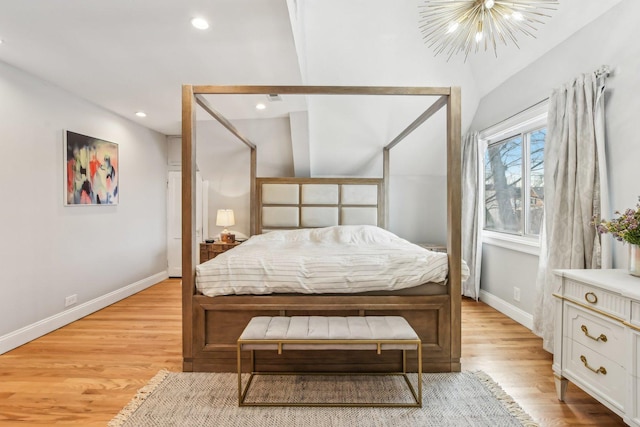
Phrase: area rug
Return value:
(211, 399)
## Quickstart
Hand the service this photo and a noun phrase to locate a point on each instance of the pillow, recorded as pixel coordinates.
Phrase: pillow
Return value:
(347, 234)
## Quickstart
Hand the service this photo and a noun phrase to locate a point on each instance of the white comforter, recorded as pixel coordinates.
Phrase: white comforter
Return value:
(340, 259)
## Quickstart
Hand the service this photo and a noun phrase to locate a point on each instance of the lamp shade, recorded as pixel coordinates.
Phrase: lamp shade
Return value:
(225, 218)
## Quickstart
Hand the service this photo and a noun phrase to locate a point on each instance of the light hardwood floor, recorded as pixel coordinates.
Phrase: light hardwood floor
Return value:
(84, 373)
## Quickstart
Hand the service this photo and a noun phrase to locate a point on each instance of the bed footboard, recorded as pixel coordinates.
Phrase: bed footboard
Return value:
(219, 321)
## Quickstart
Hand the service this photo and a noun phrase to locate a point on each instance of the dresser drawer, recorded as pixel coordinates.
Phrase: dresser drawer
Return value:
(580, 362)
(596, 332)
(596, 298)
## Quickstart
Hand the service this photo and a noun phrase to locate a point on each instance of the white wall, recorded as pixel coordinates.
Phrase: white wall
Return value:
(299, 121)
(49, 251)
(608, 40)
(418, 184)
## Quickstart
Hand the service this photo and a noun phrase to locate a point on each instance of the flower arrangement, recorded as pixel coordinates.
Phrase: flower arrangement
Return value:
(625, 228)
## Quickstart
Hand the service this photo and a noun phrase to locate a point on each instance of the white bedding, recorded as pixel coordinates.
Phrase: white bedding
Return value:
(339, 259)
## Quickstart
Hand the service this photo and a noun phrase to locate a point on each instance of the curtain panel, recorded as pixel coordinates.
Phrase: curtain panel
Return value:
(574, 164)
(472, 213)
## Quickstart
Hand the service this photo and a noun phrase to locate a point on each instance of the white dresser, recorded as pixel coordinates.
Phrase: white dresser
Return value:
(597, 338)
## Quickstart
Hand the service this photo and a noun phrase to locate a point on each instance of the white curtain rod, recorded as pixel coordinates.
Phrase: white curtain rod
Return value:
(603, 72)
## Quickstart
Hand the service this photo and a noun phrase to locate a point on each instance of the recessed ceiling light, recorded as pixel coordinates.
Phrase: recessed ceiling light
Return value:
(141, 114)
(260, 106)
(200, 23)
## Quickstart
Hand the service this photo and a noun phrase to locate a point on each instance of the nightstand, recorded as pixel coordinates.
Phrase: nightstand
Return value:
(211, 250)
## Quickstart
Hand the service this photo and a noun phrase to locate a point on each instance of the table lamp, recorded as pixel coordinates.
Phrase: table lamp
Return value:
(225, 219)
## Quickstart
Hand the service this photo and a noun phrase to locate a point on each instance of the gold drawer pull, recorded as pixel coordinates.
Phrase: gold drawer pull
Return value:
(600, 370)
(602, 337)
(591, 297)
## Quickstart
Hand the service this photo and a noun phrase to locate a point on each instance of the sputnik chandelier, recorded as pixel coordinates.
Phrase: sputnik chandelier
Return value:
(454, 26)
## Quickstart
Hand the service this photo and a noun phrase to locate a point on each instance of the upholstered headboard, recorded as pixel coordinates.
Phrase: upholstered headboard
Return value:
(291, 203)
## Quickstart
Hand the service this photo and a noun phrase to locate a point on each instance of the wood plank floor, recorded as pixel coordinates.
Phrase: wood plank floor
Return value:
(84, 373)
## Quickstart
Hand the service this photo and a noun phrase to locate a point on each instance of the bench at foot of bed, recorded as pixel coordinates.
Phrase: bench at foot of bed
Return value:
(375, 333)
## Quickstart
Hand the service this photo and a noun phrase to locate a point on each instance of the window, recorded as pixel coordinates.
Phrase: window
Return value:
(514, 181)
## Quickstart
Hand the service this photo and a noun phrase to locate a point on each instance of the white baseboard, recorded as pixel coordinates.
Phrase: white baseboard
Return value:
(35, 330)
(517, 314)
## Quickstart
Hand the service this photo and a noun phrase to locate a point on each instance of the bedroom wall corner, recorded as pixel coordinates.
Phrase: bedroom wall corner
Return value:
(49, 251)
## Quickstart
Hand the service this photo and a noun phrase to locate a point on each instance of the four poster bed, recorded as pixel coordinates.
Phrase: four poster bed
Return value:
(351, 210)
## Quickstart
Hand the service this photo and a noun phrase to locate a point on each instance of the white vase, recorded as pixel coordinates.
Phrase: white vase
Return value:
(634, 260)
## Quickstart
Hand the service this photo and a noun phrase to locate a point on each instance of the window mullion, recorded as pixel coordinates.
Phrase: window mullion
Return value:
(526, 162)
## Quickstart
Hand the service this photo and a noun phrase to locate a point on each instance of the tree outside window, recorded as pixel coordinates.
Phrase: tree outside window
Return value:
(514, 184)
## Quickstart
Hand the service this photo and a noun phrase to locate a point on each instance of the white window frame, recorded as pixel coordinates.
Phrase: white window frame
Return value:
(526, 121)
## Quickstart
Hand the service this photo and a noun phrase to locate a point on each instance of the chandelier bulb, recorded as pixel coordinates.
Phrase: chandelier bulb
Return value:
(479, 32)
(489, 4)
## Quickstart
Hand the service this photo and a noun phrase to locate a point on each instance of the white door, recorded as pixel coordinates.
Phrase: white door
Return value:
(174, 220)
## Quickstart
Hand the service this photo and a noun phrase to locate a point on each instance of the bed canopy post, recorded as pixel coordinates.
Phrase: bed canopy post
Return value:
(454, 205)
(188, 221)
(385, 184)
(252, 191)
(454, 217)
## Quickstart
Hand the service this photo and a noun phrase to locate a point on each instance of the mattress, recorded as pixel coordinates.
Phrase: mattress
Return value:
(330, 260)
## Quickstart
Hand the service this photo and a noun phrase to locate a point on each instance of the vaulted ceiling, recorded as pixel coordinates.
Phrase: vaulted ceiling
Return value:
(132, 55)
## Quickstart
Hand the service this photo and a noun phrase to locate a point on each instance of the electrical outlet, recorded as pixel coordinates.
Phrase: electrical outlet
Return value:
(516, 294)
(70, 300)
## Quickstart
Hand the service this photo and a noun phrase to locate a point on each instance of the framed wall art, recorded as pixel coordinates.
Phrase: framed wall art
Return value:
(91, 171)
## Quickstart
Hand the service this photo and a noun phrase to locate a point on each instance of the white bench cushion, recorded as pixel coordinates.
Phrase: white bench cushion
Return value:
(379, 328)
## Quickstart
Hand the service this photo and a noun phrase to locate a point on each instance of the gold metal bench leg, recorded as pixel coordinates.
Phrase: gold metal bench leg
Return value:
(242, 392)
(239, 355)
(420, 374)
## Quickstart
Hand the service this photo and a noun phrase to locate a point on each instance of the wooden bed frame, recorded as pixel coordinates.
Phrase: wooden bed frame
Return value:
(211, 325)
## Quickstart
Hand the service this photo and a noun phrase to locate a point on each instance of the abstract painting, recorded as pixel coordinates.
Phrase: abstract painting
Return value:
(91, 170)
